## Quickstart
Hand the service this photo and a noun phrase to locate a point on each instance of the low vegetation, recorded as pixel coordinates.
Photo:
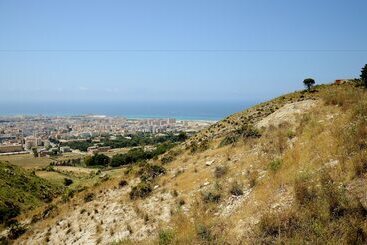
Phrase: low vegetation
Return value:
(133, 140)
(22, 190)
(294, 182)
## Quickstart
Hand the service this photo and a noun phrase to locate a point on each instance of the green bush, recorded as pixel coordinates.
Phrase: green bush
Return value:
(123, 183)
(89, 197)
(220, 171)
(236, 189)
(149, 172)
(324, 213)
(203, 232)
(244, 132)
(142, 190)
(275, 165)
(68, 182)
(8, 210)
(211, 197)
(16, 230)
(97, 160)
(166, 237)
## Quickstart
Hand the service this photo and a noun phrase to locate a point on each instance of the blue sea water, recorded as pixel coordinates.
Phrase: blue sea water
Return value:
(178, 110)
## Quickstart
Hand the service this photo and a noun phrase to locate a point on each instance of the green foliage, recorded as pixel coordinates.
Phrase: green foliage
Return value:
(167, 159)
(79, 145)
(229, 139)
(244, 132)
(324, 214)
(21, 190)
(8, 210)
(211, 197)
(69, 193)
(89, 197)
(97, 160)
(199, 147)
(364, 75)
(68, 181)
(203, 232)
(138, 155)
(309, 82)
(142, 190)
(148, 172)
(304, 189)
(166, 237)
(16, 230)
(123, 183)
(275, 165)
(133, 140)
(236, 189)
(220, 171)
(34, 151)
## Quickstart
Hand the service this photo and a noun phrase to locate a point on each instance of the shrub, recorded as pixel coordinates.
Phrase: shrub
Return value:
(199, 147)
(16, 230)
(49, 210)
(304, 189)
(236, 189)
(89, 197)
(229, 140)
(359, 168)
(97, 160)
(211, 196)
(166, 237)
(142, 190)
(67, 195)
(123, 183)
(220, 171)
(245, 131)
(252, 178)
(275, 165)
(68, 182)
(8, 210)
(324, 214)
(342, 96)
(167, 159)
(181, 202)
(149, 172)
(203, 232)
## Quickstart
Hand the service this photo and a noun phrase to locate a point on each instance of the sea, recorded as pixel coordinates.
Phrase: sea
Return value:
(210, 111)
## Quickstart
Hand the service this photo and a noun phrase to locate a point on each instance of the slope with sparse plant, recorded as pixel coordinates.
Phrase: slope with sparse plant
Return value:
(290, 170)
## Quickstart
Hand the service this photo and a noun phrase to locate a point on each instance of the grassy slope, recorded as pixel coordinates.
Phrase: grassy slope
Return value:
(301, 183)
(22, 190)
(314, 193)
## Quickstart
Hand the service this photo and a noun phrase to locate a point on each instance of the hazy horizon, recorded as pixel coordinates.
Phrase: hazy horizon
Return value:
(180, 110)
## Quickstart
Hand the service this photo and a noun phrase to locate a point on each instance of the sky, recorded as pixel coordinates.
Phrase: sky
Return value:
(181, 50)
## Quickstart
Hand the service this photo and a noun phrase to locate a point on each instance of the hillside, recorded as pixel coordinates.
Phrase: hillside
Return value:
(290, 170)
(21, 191)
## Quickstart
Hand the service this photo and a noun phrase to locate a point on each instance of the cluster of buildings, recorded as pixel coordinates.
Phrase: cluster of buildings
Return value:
(21, 134)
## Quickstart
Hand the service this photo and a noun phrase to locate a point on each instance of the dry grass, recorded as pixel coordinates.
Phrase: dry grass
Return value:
(27, 161)
(295, 182)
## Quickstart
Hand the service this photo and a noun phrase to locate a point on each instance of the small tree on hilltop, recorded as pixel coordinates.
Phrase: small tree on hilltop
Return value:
(309, 82)
(364, 75)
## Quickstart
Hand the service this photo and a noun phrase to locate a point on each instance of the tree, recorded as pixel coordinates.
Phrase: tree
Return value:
(34, 151)
(364, 75)
(182, 136)
(309, 82)
(97, 160)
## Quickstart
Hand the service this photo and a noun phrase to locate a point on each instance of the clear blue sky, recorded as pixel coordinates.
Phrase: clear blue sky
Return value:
(211, 50)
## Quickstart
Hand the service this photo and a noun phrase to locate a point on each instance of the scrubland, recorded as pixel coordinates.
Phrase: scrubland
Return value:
(292, 170)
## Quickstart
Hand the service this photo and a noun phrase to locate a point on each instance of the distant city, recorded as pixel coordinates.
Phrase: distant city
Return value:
(26, 134)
